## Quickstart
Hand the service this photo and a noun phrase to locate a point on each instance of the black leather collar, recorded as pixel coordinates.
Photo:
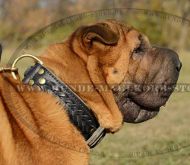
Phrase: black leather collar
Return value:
(79, 113)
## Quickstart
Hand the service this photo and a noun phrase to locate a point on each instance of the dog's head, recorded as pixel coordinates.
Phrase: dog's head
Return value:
(141, 76)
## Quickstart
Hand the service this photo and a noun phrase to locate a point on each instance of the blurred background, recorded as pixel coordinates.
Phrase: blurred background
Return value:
(30, 26)
(21, 18)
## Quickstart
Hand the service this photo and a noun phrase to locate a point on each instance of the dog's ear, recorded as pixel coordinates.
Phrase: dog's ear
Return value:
(99, 33)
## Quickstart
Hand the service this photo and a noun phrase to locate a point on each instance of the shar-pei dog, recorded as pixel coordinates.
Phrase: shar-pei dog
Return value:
(114, 75)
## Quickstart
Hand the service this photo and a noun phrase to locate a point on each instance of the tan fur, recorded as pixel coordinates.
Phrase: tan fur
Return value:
(35, 128)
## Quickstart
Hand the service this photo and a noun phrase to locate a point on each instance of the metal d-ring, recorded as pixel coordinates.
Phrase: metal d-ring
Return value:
(21, 57)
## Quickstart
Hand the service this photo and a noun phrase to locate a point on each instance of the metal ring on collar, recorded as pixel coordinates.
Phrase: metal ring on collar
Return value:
(21, 57)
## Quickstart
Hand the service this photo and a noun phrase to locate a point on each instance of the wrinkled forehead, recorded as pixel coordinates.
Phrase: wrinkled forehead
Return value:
(127, 33)
(122, 29)
(117, 26)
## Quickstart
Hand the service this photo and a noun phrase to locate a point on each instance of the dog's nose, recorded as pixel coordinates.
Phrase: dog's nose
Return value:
(179, 66)
(173, 56)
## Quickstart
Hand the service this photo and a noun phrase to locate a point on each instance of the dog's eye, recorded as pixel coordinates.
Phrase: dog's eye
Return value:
(140, 48)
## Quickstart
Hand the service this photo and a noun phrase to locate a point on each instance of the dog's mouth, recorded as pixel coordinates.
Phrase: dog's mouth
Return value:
(135, 113)
(139, 107)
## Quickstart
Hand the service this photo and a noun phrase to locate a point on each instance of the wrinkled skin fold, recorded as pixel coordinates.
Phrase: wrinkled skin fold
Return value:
(141, 99)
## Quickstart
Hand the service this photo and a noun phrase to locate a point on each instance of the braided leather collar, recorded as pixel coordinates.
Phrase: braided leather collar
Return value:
(79, 113)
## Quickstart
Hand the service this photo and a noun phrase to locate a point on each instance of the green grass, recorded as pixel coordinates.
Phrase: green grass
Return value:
(146, 143)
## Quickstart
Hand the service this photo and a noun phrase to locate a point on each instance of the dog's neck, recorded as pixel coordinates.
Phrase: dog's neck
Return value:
(79, 113)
